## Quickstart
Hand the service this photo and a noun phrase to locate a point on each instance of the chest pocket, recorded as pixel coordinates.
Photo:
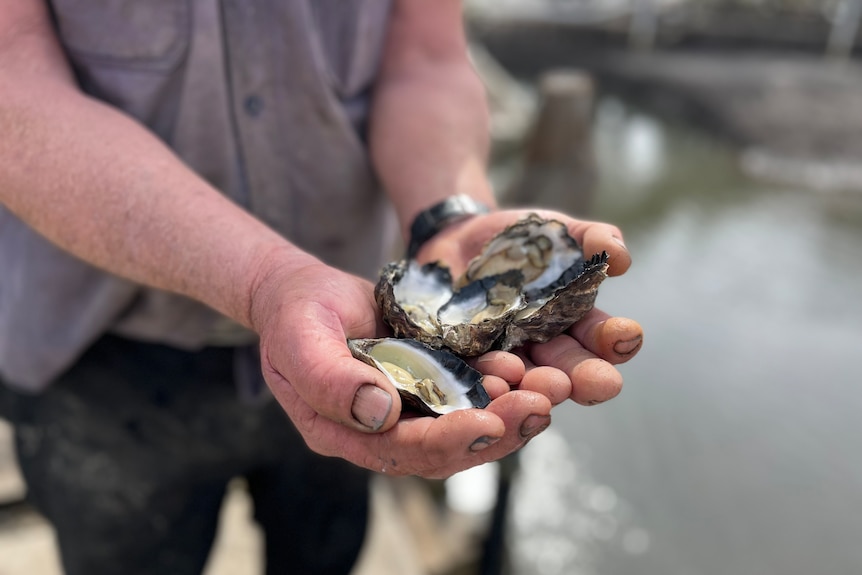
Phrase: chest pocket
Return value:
(149, 34)
(129, 53)
(351, 36)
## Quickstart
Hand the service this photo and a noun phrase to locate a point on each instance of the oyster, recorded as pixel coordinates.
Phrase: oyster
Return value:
(420, 302)
(433, 381)
(530, 283)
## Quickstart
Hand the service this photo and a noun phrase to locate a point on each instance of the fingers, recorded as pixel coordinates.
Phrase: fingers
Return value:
(409, 447)
(504, 365)
(425, 446)
(523, 415)
(496, 386)
(596, 237)
(435, 447)
(593, 380)
(599, 337)
(458, 243)
(549, 381)
(614, 339)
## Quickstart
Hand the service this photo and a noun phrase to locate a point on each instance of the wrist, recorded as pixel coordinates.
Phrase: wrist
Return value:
(429, 222)
(272, 268)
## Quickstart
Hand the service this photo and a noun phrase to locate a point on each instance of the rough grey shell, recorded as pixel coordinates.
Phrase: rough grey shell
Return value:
(433, 381)
(530, 283)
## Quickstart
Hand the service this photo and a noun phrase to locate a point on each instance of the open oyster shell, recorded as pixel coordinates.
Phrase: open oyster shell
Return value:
(433, 381)
(530, 283)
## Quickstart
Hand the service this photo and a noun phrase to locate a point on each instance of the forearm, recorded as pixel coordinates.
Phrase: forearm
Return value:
(100, 186)
(429, 125)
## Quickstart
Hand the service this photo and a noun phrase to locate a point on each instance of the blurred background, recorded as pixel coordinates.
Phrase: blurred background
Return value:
(725, 138)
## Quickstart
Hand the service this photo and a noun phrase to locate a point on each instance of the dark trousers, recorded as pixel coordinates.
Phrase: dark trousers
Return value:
(129, 453)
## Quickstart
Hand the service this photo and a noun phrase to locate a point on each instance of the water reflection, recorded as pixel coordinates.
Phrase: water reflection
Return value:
(562, 516)
(733, 448)
(635, 144)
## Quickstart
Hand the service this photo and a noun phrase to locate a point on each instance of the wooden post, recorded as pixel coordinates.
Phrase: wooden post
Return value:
(643, 27)
(559, 165)
(842, 37)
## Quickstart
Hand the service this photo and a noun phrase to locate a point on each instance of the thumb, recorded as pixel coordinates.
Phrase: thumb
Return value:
(319, 367)
(372, 407)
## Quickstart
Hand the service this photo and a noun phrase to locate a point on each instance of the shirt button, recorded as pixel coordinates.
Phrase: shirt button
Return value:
(253, 105)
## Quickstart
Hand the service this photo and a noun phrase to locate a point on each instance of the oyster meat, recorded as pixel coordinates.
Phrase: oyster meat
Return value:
(530, 283)
(432, 381)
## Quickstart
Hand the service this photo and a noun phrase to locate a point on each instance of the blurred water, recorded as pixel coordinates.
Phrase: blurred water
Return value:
(735, 445)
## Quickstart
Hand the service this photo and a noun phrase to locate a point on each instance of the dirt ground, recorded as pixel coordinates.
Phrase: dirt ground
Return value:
(402, 512)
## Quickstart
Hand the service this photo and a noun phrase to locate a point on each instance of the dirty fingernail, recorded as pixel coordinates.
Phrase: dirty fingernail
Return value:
(371, 406)
(533, 425)
(483, 442)
(628, 346)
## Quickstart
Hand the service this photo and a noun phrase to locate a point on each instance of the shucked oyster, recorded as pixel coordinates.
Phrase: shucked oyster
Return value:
(530, 283)
(433, 381)
(419, 302)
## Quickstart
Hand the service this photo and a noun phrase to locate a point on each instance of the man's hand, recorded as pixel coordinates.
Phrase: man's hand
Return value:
(345, 408)
(577, 364)
(423, 157)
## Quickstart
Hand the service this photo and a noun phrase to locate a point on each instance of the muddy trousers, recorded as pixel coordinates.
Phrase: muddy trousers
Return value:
(129, 453)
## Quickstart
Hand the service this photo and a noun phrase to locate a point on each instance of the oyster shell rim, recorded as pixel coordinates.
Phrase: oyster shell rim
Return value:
(564, 301)
(468, 379)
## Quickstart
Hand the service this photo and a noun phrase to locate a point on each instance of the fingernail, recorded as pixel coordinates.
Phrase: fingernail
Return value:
(371, 406)
(533, 425)
(620, 242)
(628, 346)
(483, 442)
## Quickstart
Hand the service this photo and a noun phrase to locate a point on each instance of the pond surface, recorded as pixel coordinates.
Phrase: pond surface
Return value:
(736, 445)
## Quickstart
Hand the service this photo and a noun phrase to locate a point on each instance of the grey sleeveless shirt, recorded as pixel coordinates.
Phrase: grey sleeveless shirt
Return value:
(265, 99)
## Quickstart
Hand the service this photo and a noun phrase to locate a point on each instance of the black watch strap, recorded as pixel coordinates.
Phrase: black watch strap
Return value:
(429, 222)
